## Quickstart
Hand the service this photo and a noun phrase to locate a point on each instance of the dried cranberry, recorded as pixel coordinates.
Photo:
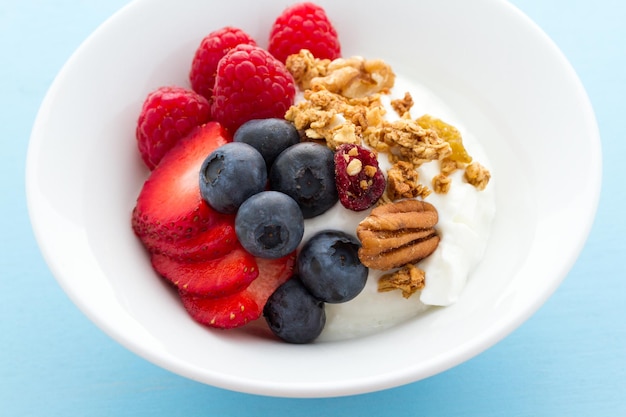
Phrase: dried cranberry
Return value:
(360, 182)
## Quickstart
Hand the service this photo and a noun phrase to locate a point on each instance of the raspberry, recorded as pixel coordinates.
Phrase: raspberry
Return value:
(168, 114)
(212, 48)
(250, 84)
(360, 182)
(304, 26)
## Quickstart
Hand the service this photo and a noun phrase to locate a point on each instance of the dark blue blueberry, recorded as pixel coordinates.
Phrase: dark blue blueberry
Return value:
(306, 172)
(230, 175)
(269, 225)
(293, 314)
(269, 136)
(329, 266)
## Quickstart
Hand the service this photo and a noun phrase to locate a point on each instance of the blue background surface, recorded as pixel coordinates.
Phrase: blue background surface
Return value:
(569, 359)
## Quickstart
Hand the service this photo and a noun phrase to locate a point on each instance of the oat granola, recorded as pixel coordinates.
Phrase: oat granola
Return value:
(342, 105)
(408, 279)
(477, 175)
(403, 182)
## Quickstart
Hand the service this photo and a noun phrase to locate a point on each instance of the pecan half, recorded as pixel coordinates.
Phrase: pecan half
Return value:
(397, 234)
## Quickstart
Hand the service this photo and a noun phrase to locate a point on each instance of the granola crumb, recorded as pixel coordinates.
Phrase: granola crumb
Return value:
(344, 133)
(448, 166)
(403, 105)
(409, 279)
(370, 170)
(448, 133)
(441, 183)
(402, 182)
(334, 118)
(477, 175)
(405, 140)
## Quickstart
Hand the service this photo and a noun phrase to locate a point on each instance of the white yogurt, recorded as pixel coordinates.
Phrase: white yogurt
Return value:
(465, 216)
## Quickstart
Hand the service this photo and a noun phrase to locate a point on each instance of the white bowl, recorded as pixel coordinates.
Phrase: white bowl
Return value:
(490, 64)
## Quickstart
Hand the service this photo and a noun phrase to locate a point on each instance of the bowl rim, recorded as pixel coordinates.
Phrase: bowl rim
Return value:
(340, 388)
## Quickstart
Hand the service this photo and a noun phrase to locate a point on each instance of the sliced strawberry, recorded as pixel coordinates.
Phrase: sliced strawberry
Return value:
(169, 207)
(217, 241)
(215, 278)
(244, 306)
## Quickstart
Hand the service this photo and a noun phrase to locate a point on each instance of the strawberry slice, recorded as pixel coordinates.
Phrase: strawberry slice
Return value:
(169, 207)
(214, 278)
(217, 241)
(244, 306)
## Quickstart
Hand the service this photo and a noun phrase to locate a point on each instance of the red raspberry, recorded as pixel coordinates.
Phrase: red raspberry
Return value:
(360, 182)
(304, 26)
(212, 48)
(251, 84)
(168, 114)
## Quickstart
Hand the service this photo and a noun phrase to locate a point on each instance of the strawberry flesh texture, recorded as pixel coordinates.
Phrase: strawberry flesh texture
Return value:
(219, 240)
(169, 207)
(242, 307)
(213, 278)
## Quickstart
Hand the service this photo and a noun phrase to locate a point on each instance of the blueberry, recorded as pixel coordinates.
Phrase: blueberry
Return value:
(293, 314)
(330, 268)
(306, 172)
(269, 225)
(268, 136)
(230, 175)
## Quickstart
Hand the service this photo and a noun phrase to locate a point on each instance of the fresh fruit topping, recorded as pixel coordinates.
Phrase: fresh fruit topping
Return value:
(306, 173)
(250, 84)
(242, 307)
(218, 240)
(360, 182)
(304, 26)
(217, 277)
(168, 114)
(293, 314)
(169, 206)
(212, 48)
(269, 225)
(329, 266)
(269, 136)
(230, 175)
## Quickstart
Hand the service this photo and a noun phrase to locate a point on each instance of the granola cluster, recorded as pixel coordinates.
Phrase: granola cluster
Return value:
(408, 279)
(343, 105)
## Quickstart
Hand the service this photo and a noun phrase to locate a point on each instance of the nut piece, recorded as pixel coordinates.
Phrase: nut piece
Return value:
(350, 77)
(354, 167)
(304, 67)
(408, 279)
(397, 234)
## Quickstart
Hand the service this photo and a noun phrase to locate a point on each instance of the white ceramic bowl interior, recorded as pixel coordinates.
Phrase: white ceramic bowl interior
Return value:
(489, 63)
